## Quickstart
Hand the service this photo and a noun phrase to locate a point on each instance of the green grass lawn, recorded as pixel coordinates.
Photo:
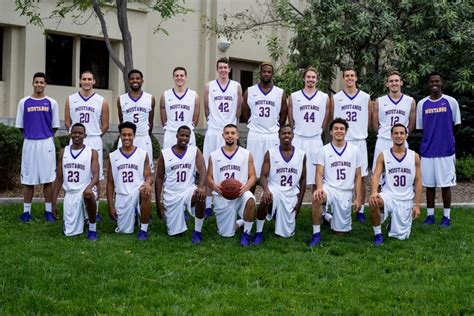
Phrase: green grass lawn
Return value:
(43, 272)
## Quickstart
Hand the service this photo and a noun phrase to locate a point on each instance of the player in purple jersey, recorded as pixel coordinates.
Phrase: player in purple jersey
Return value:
(439, 117)
(38, 120)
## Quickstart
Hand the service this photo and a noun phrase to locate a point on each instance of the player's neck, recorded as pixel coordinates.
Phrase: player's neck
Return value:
(38, 95)
(77, 146)
(395, 95)
(86, 93)
(436, 96)
(180, 89)
(350, 90)
(223, 81)
(309, 91)
(135, 93)
(265, 85)
(179, 149)
(338, 143)
(286, 147)
(399, 149)
(230, 149)
(127, 149)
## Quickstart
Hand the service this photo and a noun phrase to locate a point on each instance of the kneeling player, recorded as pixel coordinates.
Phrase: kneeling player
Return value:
(337, 172)
(283, 179)
(177, 170)
(232, 161)
(78, 173)
(401, 167)
(129, 178)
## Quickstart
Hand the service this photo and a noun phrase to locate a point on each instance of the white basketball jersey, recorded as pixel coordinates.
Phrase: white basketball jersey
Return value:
(87, 111)
(235, 166)
(355, 110)
(137, 111)
(308, 112)
(340, 165)
(264, 109)
(222, 103)
(286, 174)
(127, 171)
(179, 110)
(391, 112)
(77, 171)
(180, 171)
(399, 174)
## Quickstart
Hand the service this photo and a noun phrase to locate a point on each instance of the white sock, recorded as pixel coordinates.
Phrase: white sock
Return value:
(144, 227)
(198, 224)
(362, 209)
(377, 229)
(260, 223)
(248, 227)
(208, 201)
(240, 222)
(48, 207)
(328, 217)
(316, 229)
(447, 212)
(92, 227)
(430, 211)
(26, 207)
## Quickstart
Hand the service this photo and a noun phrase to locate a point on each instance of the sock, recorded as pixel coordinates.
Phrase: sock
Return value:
(208, 201)
(328, 217)
(92, 227)
(447, 212)
(48, 207)
(248, 227)
(198, 224)
(260, 223)
(26, 207)
(240, 222)
(144, 227)
(377, 229)
(316, 229)
(362, 209)
(430, 211)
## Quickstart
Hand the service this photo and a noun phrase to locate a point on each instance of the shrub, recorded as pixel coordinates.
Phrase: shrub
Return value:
(199, 141)
(11, 142)
(465, 168)
(60, 142)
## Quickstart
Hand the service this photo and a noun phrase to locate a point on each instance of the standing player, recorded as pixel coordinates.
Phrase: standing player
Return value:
(354, 105)
(38, 119)
(264, 107)
(337, 172)
(439, 117)
(77, 172)
(395, 107)
(138, 107)
(176, 170)
(129, 179)
(232, 161)
(179, 106)
(283, 180)
(402, 169)
(308, 113)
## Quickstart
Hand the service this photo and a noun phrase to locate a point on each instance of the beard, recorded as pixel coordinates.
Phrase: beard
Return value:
(229, 143)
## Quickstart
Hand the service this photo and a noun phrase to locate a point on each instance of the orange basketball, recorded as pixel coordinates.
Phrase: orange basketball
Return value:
(230, 188)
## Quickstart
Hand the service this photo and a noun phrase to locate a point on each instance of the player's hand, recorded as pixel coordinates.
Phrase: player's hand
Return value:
(267, 196)
(145, 188)
(88, 194)
(374, 199)
(217, 188)
(54, 210)
(416, 211)
(200, 194)
(159, 209)
(357, 205)
(244, 188)
(318, 195)
(113, 214)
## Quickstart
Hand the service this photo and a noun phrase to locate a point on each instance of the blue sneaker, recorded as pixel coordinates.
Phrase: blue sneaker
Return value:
(378, 240)
(92, 235)
(315, 240)
(429, 220)
(257, 239)
(142, 235)
(245, 239)
(49, 217)
(360, 217)
(197, 237)
(25, 217)
(445, 222)
(186, 216)
(207, 212)
(98, 218)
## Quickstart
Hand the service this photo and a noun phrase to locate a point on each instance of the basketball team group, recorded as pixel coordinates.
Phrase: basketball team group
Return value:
(284, 154)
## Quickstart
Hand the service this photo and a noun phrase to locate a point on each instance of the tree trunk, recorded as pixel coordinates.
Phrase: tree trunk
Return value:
(122, 19)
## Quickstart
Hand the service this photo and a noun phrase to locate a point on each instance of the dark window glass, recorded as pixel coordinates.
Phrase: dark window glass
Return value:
(95, 58)
(246, 80)
(59, 59)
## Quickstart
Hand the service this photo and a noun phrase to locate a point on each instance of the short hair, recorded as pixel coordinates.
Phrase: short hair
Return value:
(392, 73)
(340, 121)
(230, 125)
(399, 125)
(310, 69)
(78, 125)
(39, 75)
(127, 125)
(134, 71)
(180, 68)
(349, 69)
(434, 73)
(87, 72)
(183, 127)
(224, 60)
(266, 63)
(285, 126)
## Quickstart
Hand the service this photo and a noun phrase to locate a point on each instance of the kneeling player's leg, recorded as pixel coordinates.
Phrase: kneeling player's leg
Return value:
(316, 212)
(199, 209)
(249, 215)
(91, 207)
(145, 210)
(375, 216)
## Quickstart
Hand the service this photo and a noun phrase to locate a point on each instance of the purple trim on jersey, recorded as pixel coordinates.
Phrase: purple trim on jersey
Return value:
(85, 99)
(265, 94)
(180, 98)
(231, 156)
(78, 154)
(130, 155)
(291, 156)
(399, 160)
(177, 155)
(311, 97)
(393, 101)
(227, 85)
(37, 118)
(133, 99)
(357, 93)
(335, 150)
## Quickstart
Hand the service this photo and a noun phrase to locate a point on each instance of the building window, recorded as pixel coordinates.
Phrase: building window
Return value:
(59, 59)
(95, 57)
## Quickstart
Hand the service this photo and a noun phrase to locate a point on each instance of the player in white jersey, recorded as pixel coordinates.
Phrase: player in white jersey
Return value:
(402, 176)
(38, 119)
(355, 107)
(308, 113)
(179, 106)
(337, 174)
(283, 180)
(77, 172)
(232, 161)
(395, 107)
(138, 107)
(265, 109)
(129, 180)
(176, 171)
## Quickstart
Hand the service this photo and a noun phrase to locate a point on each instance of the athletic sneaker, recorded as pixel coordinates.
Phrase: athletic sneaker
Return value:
(429, 220)
(360, 217)
(445, 222)
(49, 217)
(25, 217)
(257, 239)
(142, 235)
(207, 212)
(92, 235)
(98, 218)
(378, 240)
(197, 237)
(315, 240)
(245, 239)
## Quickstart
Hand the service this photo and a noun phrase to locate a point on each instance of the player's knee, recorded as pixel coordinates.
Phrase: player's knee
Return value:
(145, 197)
(250, 203)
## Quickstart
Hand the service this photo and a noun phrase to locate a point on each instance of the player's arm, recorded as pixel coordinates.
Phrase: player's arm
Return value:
(163, 110)
(119, 110)
(201, 169)
(239, 101)
(19, 117)
(412, 118)
(291, 120)
(110, 192)
(55, 111)
(95, 174)
(159, 179)
(267, 194)
(67, 115)
(58, 182)
(197, 110)
(329, 112)
(151, 115)
(206, 100)
(105, 117)
(252, 179)
(210, 178)
(146, 187)
(359, 186)
(370, 106)
(374, 181)
(375, 116)
(302, 186)
(318, 194)
(245, 107)
(283, 110)
(418, 187)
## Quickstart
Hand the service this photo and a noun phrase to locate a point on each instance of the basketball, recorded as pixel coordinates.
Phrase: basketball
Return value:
(230, 188)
